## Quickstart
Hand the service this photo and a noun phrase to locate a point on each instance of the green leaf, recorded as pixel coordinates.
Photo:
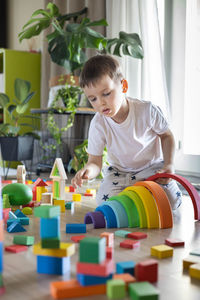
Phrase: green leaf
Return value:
(28, 98)
(54, 11)
(20, 109)
(11, 108)
(4, 100)
(74, 16)
(34, 30)
(40, 12)
(101, 22)
(22, 88)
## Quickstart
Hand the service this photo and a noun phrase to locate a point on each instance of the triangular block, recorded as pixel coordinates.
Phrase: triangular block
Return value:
(15, 227)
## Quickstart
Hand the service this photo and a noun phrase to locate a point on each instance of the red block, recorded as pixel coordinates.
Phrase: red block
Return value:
(137, 235)
(6, 214)
(147, 270)
(109, 252)
(174, 242)
(16, 248)
(71, 189)
(2, 290)
(88, 194)
(129, 244)
(77, 238)
(103, 269)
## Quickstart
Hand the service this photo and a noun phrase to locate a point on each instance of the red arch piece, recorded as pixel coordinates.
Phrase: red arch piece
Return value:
(187, 185)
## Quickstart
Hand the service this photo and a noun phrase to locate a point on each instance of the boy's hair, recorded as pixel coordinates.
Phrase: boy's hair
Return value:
(97, 67)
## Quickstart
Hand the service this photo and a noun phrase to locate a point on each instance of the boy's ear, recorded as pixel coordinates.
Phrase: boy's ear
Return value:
(124, 83)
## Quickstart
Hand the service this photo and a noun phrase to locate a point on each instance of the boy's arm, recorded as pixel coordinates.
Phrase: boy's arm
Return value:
(168, 149)
(89, 171)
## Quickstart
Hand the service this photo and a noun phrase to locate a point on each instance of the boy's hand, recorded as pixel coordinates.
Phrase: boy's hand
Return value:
(166, 169)
(77, 180)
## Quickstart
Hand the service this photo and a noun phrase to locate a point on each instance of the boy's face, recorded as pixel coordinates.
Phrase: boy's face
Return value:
(106, 96)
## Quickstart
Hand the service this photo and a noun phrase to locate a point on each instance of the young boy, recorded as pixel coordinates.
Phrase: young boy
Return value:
(137, 136)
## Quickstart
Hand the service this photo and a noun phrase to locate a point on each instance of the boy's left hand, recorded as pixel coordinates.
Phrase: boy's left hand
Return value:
(166, 169)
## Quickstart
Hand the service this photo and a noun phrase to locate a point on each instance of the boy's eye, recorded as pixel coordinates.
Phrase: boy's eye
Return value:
(92, 99)
(106, 94)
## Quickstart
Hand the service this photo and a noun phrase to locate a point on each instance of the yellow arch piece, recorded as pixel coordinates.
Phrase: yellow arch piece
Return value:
(152, 214)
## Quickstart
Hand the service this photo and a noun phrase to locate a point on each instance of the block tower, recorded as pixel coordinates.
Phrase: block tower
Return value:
(2, 289)
(53, 257)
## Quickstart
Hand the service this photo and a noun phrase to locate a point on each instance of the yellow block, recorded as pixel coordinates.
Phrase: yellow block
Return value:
(162, 251)
(67, 189)
(190, 260)
(66, 249)
(91, 191)
(39, 191)
(60, 203)
(194, 271)
(76, 197)
(29, 182)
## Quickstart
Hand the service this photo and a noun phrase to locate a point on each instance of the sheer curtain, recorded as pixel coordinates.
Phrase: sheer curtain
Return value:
(147, 77)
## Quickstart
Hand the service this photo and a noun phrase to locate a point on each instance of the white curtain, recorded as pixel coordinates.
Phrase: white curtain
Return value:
(147, 77)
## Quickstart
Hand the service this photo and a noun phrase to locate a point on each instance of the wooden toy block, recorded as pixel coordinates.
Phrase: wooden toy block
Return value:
(50, 228)
(21, 174)
(76, 197)
(1, 230)
(91, 191)
(23, 240)
(75, 228)
(125, 267)
(103, 269)
(60, 203)
(6, 214)
(109, 236)
(190, 260)
(96, 218)
(6, 202)
(115, 289)
(174, 242)
(1, 281)
(2, 290)
(53, 265)
(86, 280)
(194, 271)
(72, 189)
(59, 176)
(77, 238)
(16, 248)
(69, 205)
(24, 221)
(73, 289)
(10, 221)
(92, 250)
(109, 252)
(39, 191)
(129, 244)
(12, 215)
(143, 290)
(50, 243)
(47, 198)
(137, 235)
(27, 211)
(1, 257)
(15, 227)
(126, 277)
(162, 251)
(19, 214)
(88, 195)
(122, 233)
(195, 252)
(66, 249)
(47, 211)
(67, 189)
(147, 270)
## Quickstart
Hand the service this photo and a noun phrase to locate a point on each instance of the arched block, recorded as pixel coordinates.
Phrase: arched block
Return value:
(120, 213)
(95, 217)
(187, 185)
(162, 201)
(107, 211)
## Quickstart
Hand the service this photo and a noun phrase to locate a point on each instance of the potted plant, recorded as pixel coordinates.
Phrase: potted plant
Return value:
(16, 142)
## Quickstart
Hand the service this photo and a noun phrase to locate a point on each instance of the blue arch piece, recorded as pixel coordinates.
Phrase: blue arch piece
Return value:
(107, 211)
(120, 213)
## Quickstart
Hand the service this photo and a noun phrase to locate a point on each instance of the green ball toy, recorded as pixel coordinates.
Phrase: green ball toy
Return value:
(19, 193)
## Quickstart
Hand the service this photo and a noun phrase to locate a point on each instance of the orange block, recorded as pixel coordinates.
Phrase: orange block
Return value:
(1, 230)
(72, 289)
(126, 277)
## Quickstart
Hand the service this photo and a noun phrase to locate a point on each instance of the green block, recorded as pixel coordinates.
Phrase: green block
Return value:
(47, 211)
(6, 202)
(115, 289)
(23, 240)
(142, 291)
(50, 243)
(1, 280)
(122, 233)
(92, 250)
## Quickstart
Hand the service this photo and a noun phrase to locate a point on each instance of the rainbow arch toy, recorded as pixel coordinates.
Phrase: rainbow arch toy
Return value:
(144, 205)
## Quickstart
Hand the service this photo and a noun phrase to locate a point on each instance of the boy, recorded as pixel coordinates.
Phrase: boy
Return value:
(138, 140)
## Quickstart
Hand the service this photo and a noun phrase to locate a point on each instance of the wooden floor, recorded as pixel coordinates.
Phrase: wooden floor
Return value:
(22, 281)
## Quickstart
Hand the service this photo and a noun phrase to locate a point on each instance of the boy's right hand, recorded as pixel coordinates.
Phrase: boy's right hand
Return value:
(77, 180)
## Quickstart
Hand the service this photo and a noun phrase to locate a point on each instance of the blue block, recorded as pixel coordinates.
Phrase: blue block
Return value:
(75, 228)
(125, 267)
(50, 228)
(1, 257)
(107, 211)
(15, 227)
(12, 215)
(86, 280)
(10, 221)
(1, 205)
(53, 265)
(19, 214)
(24, 220)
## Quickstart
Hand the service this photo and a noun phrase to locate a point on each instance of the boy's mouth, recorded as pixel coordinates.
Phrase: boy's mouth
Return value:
(106, 111)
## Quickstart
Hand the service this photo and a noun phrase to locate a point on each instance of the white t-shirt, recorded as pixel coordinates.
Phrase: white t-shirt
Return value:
(133, 144)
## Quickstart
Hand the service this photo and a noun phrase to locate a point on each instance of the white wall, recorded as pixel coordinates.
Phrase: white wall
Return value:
(19, 12)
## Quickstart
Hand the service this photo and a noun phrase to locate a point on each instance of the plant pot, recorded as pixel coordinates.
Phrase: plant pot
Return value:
(18, 148)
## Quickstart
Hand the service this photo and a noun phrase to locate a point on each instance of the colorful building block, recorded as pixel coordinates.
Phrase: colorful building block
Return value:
(122, 233)
(66, 249)
(92, 250)
(147, 270)
(91, 191)
(53, 265)
(174, 242)
(23, 240)
(50, 243)
(38, 183)
(72, 189)
(109, 252)
(46, 211)
(129, 244)
(75, 228)
(60, 203)
(47, 198)
(143, 290)
(137, 235)
(115, 289)
(59, 176)
(69, 205)
(195, 252)
(86, 280)
(49, 228)
(77, 238)
(103, 269)
(125, 267)
(109, 236)
(162, 251)
(16, 248)
(1, 230)
(76, 197)
(190, 260)
(194, 271)
(15, 227)
(27, 211)
(126, 277)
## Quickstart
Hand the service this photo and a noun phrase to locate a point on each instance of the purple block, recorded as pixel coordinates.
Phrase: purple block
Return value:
(95, 217)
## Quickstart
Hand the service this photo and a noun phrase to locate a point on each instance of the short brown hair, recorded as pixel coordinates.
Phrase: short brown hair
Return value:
(97, 67)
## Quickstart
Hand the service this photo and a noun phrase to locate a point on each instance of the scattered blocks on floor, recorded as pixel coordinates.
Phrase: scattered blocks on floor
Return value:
(109, 252)
(122, 233)
(53, 265)
(91, 191)
(16, 248)
(126, 277)
(161, 251)
(72, 189)
(46, 211)
(66, 249)
(194, 271)
(76, 197)
(103, 269)
(143, 290)
(69, 205)
(147, 270)
(137, 235)
(86, 280)
(92, 250)
(23, 240)
(115, 289)
(195, 252)
(77, 238)
(50, 243)
(190, 260)
(60, 203)
(75, 228)
(109, 236)
(15, 227)
(125, 267)
(129, 244)
(174, 242)
(49, 228)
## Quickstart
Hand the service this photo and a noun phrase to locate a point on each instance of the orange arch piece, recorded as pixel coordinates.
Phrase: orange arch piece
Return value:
(187, 185)
(162, 201)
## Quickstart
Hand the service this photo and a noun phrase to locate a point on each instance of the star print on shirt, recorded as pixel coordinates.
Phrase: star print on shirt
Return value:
(110, 168)
(105, 197)
(133, 177)
(178, 194)
(116, 174)
(115, 183)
